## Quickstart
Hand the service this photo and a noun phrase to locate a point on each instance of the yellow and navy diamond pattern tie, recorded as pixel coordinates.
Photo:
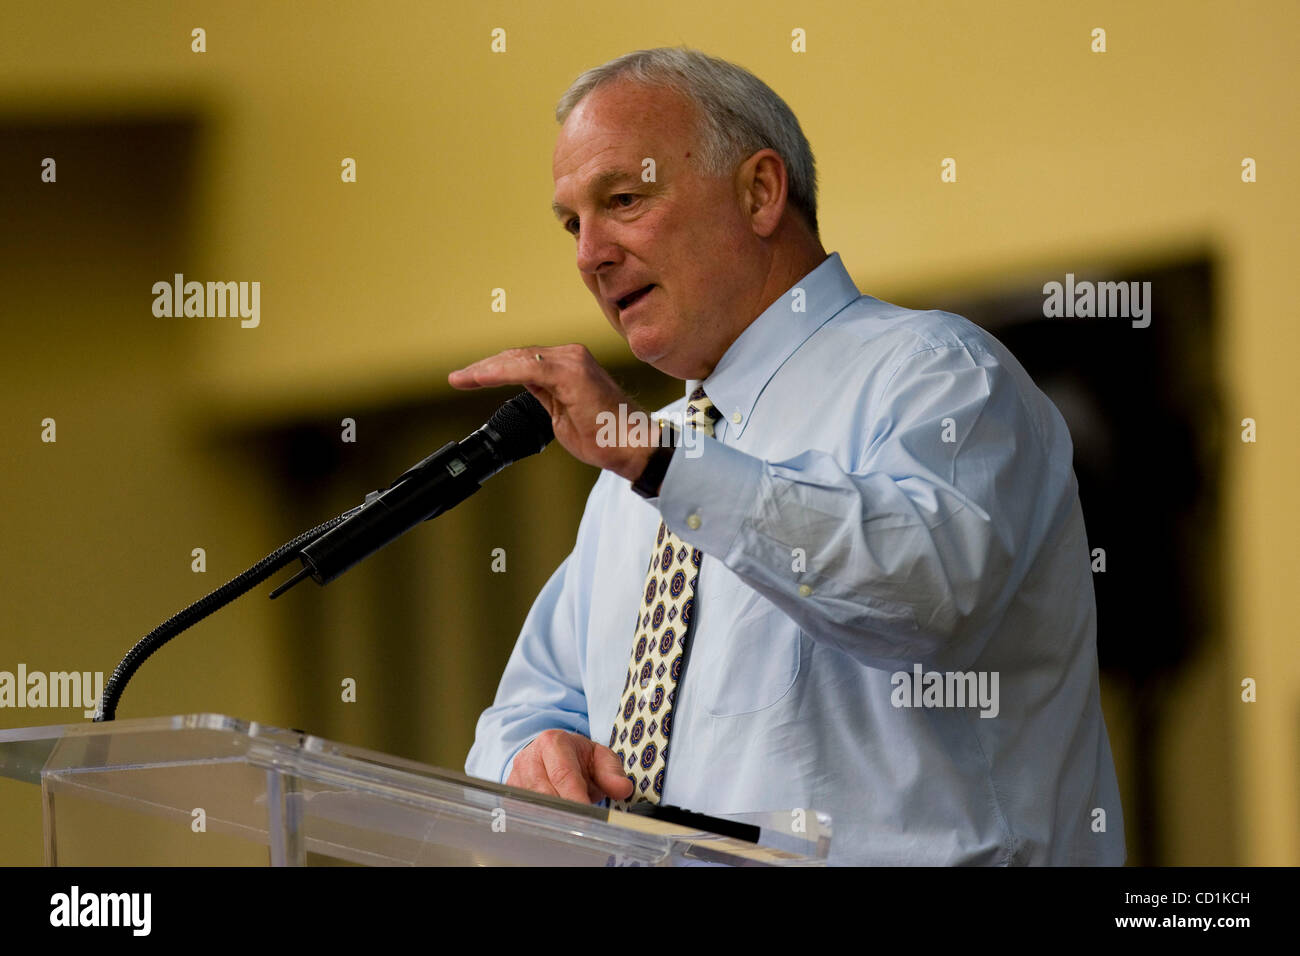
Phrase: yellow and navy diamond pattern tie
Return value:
(644, 724)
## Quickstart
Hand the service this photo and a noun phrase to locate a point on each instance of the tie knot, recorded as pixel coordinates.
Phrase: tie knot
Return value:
(701, 412)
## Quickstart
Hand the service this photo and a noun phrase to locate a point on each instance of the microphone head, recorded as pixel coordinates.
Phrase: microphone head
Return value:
(523, 425)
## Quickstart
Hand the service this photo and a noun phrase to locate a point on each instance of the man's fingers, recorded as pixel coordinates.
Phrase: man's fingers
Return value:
(537, 783)
(609, 773)
(571, 766)
(529, 774)
(575, 391)
(511, 367)
(564, 770)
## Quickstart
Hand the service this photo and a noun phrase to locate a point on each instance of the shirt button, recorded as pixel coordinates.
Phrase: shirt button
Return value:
(693, 521)
(736, 417)
(804, 590)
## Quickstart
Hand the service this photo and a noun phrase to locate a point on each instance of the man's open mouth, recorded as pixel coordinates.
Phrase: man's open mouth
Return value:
(631, 297)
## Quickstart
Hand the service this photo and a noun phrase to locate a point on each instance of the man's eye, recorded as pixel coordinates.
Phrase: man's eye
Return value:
(623, 200)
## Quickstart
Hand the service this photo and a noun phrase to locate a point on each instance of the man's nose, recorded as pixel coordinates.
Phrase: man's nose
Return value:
(596, 247)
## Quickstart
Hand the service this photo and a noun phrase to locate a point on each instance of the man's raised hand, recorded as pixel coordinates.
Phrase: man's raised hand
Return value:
(574, 390)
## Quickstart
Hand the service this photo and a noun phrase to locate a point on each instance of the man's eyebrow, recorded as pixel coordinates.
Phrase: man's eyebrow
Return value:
(602, 182)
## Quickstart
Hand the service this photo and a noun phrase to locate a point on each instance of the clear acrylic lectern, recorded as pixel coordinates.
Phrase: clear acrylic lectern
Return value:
(208, 790)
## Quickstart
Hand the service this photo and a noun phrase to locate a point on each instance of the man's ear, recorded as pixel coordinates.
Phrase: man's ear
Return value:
(762, 186)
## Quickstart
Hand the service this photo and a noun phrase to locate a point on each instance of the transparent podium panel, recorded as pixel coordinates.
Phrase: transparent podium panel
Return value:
(209, 790)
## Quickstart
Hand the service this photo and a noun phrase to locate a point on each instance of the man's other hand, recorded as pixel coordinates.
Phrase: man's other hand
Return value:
(563, 764)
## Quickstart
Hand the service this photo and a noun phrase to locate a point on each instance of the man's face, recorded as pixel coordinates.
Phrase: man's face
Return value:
(684, 235)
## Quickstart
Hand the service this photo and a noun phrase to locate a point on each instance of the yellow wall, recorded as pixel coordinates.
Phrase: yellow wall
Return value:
(372, 292)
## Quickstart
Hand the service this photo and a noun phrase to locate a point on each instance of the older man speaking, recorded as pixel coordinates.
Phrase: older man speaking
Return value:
(862, 586)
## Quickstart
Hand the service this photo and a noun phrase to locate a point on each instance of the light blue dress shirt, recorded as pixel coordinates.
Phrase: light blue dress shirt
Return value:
(886, 491)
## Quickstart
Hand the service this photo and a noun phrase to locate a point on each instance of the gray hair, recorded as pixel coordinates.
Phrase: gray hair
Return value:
(739, 114)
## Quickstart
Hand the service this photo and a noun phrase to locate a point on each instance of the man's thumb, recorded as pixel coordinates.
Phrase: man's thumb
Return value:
(610, 773)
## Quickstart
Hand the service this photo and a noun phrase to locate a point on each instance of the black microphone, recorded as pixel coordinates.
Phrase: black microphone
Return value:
(519, 428)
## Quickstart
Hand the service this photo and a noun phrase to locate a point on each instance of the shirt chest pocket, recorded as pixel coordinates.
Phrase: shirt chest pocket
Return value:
(747, 656)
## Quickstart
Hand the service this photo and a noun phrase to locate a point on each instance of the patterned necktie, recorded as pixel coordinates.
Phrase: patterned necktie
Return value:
(645, 721)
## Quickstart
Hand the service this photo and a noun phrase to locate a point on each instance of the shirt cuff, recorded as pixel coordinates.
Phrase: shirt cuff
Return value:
(708, 492)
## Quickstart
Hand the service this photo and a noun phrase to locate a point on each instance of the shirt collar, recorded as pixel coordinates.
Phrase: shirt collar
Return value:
(762, 348)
